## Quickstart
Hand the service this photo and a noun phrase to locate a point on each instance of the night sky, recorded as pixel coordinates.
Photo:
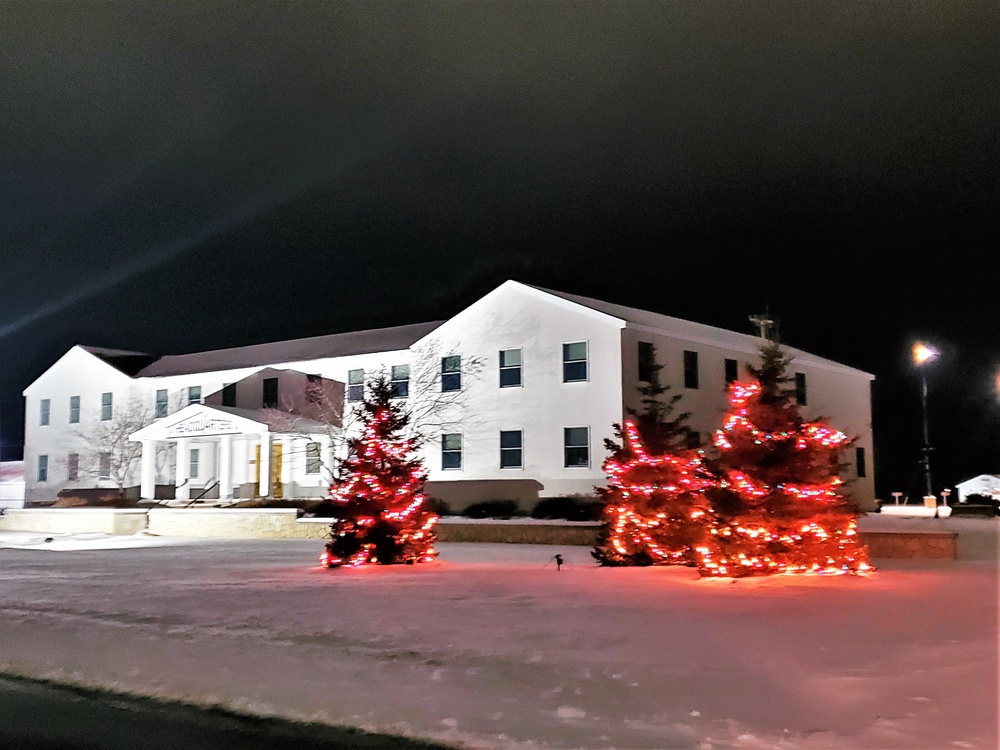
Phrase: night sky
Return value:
(185, 176)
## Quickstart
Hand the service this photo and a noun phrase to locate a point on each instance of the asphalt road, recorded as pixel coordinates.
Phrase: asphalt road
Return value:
(38, 716)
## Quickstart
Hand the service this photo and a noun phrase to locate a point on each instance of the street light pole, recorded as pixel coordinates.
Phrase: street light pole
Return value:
(927, 439)
(922, 354)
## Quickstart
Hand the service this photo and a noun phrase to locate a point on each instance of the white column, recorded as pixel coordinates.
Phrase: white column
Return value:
(225, 467)
(287, 446)
(147, 470)
(265, 464)
(183, 466)
(325, 460)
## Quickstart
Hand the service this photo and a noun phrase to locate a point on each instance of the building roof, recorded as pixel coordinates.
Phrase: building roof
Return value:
(294, 350)
(694, 332)
(125, 362)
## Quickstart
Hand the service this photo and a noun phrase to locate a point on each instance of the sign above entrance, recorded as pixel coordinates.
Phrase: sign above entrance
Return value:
(203, 424)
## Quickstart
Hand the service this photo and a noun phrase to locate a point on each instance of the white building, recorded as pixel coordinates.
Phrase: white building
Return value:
(11, 484)
(984, 484)
(513, 396)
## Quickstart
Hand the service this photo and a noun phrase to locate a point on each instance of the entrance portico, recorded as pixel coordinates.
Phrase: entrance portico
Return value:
(237, 449)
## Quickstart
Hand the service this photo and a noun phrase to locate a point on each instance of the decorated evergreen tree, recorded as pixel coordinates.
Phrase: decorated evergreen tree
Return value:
(779, 507)
(380, 512)
(654, 503)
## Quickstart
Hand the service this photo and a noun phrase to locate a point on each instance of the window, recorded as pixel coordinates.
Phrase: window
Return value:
(451, 451)
(314, 388)
(229, 394)
(104, 466)
(74, 409)
(43, 411)
(800, 388)
(161, 403)
(510, 368)
(43, 468)
(194, 395)
(647, 361)
(575, 362)
(510, 449)
(859, 462)
(73, 467)
(400, 381)
(269, 393)
(106, 406)
(451, 373)
(194, 457)
(576, 446)
(355, 385)
(690, 369)
(314, 460)
(732, 371)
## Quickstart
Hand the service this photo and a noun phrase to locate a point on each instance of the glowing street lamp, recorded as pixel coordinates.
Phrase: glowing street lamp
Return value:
(922, 354)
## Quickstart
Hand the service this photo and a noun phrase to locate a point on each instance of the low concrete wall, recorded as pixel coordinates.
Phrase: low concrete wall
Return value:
(123, 521)
(284, 523)
(233, 523)
(923, 545)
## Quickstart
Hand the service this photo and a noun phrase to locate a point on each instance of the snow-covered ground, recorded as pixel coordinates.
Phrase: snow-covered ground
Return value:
(491, 646)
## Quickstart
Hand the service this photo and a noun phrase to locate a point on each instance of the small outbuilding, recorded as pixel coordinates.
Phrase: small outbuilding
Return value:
(984, 484)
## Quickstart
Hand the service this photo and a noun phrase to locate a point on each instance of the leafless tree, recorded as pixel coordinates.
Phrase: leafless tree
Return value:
(103, 446)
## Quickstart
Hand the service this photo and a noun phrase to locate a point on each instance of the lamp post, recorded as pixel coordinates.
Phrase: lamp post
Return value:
(922, 354)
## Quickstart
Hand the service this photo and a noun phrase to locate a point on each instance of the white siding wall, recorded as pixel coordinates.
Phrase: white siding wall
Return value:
(541, 407)
(840, 395)
(77, 373)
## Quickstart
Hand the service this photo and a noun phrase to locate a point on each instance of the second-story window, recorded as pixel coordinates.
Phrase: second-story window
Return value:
(647, 361)
(162, 402)
(400, 381)
(229, 394)
(732, 371)
(355, 385)
(690, 369)
(74, 410)
(800, 388)
(194, 394)
(107, 401)
(269, 393)
(43, 411)
(510, 368)
(451, 373)
(574, 362)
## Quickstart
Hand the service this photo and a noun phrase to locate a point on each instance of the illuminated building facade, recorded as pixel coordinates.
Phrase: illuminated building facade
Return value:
(513, 397)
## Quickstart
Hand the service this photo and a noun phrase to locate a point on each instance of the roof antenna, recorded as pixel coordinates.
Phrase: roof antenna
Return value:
(766, 325)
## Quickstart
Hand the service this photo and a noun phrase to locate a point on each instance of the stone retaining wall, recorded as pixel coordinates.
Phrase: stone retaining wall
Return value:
(124, 521)
(923, 545)
(515, 533)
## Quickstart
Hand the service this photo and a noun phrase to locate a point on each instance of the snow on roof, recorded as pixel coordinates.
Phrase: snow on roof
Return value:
(294, 350)
(691, 331)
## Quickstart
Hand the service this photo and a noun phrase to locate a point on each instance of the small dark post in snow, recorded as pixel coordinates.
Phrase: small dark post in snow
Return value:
(559, 562)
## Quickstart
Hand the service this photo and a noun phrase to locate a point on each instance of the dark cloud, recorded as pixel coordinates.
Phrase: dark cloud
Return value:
(186, 175)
